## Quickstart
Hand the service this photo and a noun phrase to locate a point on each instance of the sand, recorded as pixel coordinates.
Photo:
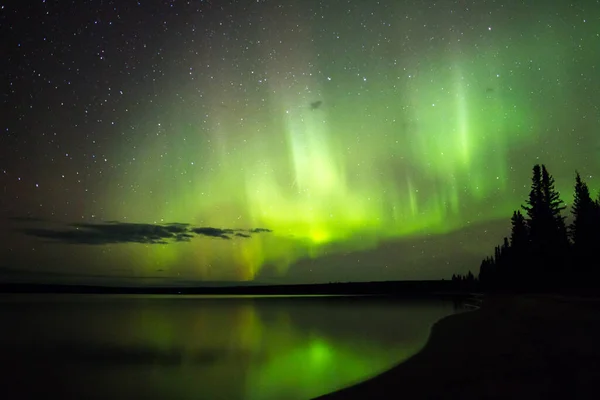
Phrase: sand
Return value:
(514, 347)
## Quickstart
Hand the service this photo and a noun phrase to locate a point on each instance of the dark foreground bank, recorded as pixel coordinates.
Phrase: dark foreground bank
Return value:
(520, 347)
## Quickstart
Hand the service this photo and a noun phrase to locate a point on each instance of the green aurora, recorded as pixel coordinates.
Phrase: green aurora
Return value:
(430, 121)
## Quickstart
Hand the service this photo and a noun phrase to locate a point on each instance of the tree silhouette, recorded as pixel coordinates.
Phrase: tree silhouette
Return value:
(503, 258)
(584, 229)
(539, 254)
(518, 250)
(534, 203)
(534, 210)
(470, 277)
(597, 216)
(519, 236)
(487, 272)
(558, 239)
(465, 282)
(547, 231)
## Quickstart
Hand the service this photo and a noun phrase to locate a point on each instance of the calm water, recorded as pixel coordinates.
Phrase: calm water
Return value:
(194, 347)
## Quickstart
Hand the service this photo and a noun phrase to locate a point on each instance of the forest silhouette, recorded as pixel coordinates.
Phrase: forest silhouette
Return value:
(543, 253)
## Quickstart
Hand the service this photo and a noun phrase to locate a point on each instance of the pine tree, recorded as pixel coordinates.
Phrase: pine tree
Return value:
(487, 273)
(483, 270)
(556, 241)
(595, 239)
(519, 248)
(497, 255)
(519, 236)
(582, 230)
(597, 214)
(538, 251)
(534, 205)
(534, 224)
(470, 278)
(504, 262)
(554, 206)
(547, 231)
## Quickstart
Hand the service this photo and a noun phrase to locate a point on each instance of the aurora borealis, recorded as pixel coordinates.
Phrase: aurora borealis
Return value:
(203, 113)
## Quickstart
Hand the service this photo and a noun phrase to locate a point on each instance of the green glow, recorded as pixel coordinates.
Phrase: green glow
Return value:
(396, 149)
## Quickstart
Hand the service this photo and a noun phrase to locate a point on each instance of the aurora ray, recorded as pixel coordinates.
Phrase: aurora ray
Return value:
(340, 127)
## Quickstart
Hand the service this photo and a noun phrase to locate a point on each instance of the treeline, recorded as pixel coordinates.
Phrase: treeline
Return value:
(543, 252)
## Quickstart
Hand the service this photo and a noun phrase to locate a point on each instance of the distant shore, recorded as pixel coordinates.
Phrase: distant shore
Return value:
(514, 347)
(394, 288)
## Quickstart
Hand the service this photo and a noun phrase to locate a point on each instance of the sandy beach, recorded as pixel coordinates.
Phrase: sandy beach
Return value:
(514, 347)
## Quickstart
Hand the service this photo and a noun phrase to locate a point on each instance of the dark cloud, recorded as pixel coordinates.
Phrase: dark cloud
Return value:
(260, 230)
(108, 233)
(213, 232)
(183, 237)
(113, 232)
(228, 233)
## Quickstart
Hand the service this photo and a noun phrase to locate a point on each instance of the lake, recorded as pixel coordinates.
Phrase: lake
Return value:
(203, 347)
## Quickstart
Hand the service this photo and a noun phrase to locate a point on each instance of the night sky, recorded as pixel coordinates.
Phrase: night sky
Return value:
(169, 142)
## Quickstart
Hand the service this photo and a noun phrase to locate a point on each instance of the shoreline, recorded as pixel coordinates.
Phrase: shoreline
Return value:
(517, 347)
(378, 288)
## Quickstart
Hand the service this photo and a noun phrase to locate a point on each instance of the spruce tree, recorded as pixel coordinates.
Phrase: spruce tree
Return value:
(519, 243)
(505, 270)
(535, 194)
(534, 205)
(547, 231)
(538, 251)
(595, 231)
(554, 208)
(597, 214)
(534, 225)
(470, 277)
(519, 235)
(556, 245)
(487, 273)
(483, 271)
(582, 230)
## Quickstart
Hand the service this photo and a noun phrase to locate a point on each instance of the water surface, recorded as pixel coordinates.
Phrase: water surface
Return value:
(199, 347)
